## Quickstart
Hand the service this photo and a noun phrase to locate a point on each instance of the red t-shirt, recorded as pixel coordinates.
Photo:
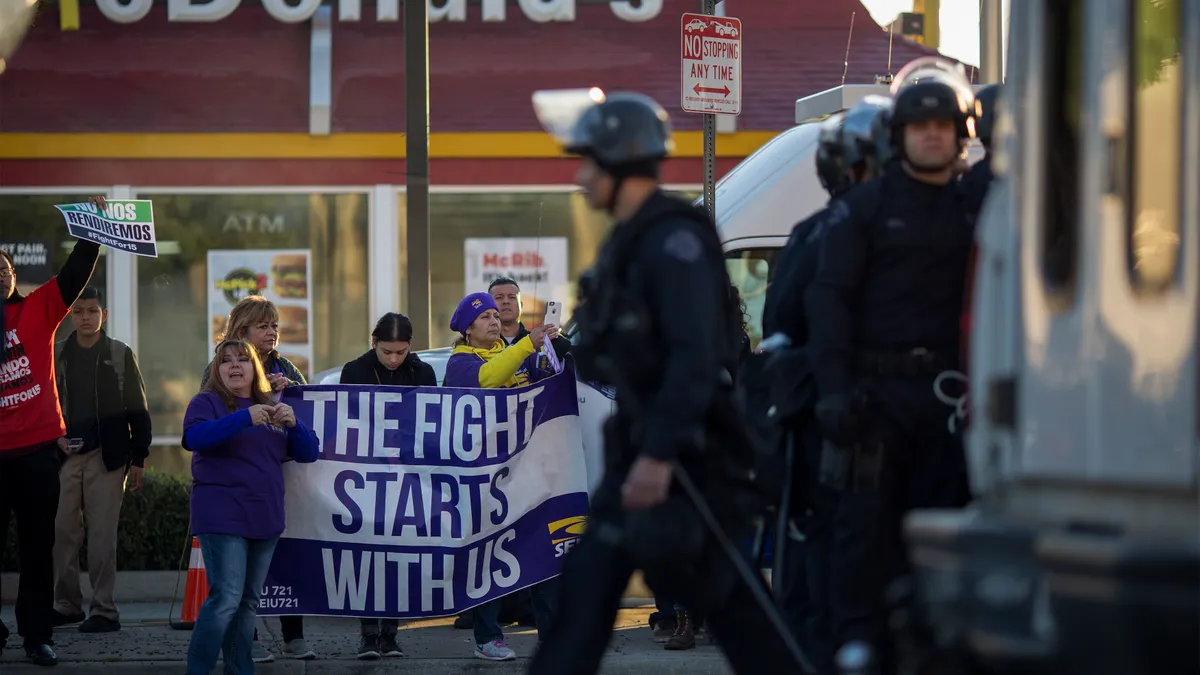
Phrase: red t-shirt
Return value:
(29, 409)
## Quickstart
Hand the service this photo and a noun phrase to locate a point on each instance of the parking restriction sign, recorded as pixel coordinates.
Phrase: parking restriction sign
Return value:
(711, 75)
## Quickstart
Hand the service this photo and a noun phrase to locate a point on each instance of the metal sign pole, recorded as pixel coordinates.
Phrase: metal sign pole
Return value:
(709, 8)
(416, 167)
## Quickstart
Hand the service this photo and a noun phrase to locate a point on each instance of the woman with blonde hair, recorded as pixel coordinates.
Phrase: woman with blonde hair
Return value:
(256, 320)
(239, 439)
(482, 360)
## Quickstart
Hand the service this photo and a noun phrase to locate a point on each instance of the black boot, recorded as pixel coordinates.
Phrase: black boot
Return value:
(684, 637)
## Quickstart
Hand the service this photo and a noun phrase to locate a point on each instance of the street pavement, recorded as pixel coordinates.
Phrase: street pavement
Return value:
(147, 645)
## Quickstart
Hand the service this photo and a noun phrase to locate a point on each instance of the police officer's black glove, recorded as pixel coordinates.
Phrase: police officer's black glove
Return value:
(839, 418)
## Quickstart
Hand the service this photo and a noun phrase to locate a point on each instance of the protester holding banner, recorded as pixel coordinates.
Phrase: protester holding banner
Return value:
(388, 363)
(240, 438)
(31, 420)
(256, 320)
(482, 360)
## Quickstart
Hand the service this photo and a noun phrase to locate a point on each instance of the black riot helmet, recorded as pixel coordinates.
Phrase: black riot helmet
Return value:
(933, 88)
(985, 113)
(831, 165)
(866, 135)
(626, 134)
(624, 129)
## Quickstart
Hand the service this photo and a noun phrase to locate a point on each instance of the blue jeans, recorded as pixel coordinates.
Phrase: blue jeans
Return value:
(236, 568)
(486, 617)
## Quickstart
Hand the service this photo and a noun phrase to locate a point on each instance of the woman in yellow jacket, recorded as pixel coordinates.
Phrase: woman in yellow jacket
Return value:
(481, 360)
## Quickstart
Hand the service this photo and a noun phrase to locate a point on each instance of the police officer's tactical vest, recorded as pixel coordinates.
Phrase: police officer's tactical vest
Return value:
(617, 344)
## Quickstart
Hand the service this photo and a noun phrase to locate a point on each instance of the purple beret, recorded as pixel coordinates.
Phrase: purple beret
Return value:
(469, 309)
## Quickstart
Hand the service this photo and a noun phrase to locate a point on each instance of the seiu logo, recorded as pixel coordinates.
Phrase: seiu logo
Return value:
(565, 533)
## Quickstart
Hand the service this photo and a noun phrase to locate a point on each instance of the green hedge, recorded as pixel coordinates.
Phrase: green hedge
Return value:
(154, 526)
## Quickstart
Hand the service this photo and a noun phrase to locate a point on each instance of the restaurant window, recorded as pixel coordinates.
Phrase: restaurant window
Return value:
(34, 233)
(1155, 99)
(1061, 131)
(305, 252)
(546, 238)
(751, 271)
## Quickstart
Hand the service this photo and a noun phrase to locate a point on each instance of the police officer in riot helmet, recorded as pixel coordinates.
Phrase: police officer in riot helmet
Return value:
(657, 324)
(884, 312)
(852, 147)
(836, 179)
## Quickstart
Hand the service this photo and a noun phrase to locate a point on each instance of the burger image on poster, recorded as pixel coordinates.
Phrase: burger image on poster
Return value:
(289, 275)
(293, 325)
(219, 324)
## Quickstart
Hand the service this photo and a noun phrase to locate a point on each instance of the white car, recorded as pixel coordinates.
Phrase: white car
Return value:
(695, 25)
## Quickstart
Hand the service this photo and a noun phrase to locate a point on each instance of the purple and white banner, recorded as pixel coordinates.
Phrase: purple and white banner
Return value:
(428, 501)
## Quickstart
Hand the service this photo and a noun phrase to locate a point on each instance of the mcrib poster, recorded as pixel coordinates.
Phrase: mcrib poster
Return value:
(538, 265)
(282, 276)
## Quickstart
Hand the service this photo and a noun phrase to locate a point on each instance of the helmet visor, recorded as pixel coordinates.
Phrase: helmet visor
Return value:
(559, 109)
(934, 69)
(930, 67)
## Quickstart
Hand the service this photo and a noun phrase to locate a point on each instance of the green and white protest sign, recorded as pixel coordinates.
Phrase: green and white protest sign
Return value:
(125, 225)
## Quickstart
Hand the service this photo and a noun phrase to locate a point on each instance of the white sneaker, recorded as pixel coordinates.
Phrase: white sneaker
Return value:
(299, 649)
(259, 654)
(494, 651)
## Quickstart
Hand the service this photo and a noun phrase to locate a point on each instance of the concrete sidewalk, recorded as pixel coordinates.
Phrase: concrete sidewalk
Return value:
(146, 645)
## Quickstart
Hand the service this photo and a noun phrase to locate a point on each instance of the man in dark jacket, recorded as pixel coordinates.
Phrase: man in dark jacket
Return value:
(389, 363)
(108, 439)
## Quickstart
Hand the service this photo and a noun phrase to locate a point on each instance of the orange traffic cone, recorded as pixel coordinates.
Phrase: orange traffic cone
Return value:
(196, 590)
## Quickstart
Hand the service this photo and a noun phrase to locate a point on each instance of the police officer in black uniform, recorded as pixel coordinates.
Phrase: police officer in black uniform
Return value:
(852, 148)
(655, 322)
(884, 312)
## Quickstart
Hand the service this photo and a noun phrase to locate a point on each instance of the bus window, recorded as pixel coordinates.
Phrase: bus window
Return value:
(1064, 102)
(1155, 102)
(751, 270)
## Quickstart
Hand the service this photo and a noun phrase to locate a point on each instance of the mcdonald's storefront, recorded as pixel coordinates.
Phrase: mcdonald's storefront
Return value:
(272, 125)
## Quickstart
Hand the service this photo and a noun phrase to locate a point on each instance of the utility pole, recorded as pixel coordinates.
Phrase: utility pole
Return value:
(416, 167)
(709, 8)
(991, 41)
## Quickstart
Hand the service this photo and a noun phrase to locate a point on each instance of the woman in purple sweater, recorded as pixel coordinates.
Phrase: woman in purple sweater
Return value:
(239, 439)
